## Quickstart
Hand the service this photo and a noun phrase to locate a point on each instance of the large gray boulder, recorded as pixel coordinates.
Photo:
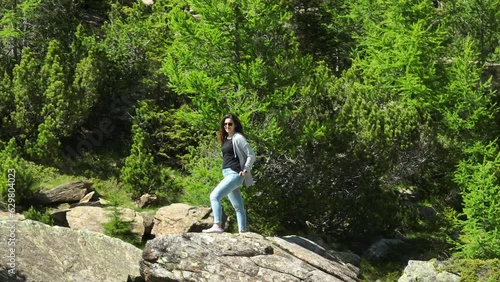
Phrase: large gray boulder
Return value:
(427, 271)
(237, 257)
(44, 253)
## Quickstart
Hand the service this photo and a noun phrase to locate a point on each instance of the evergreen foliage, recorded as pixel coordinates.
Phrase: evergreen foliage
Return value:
(6, 106)
(476, 270)
(55, 109)
(14, 167)
(27, 96)
(478, 177)
(33, 214)
(479, 19)
(236, 57)
(204, 164)
(118, 228)
(141, 173)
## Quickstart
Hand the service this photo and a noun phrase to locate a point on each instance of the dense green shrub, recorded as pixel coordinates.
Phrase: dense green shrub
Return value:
(204, 164)
(16, 176)
(476, 270)
(118, 228)
(33, 214)
(144, 170)
(478, 177)
(139, 175)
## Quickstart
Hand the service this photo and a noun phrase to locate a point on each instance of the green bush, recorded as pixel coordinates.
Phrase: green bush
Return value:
(139, 175)
(478, 177)
(142, 172)
(112, 191)
(118, 228)
(381, 271)
(16, 175)
(204, 164)
(33, 214)
(476, 270)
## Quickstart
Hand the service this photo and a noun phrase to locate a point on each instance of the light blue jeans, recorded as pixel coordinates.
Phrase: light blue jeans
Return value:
(229, 186)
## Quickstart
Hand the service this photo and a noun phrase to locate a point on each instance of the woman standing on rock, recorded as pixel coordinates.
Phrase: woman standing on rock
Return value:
(237, 161)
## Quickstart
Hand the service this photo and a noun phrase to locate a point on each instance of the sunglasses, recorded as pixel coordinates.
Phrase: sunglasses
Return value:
(228, 124)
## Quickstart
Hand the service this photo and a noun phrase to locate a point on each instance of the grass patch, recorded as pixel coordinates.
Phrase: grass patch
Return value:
(471, 270)
(47, 178)
(388, 271)
(111, 190)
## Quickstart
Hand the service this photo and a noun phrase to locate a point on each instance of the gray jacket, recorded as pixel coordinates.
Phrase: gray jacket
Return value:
(245, 155)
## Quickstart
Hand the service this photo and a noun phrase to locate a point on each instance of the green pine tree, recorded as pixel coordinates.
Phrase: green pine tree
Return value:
(7, 107)
(56, 107)
(28, 97)
(16, 175)
(141, 173)
(478, 177)
(239, 57)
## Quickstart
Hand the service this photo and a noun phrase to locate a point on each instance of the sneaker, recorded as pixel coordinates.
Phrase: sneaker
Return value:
(213, 229)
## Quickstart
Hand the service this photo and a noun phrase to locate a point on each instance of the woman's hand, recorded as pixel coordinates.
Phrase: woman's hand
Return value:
(243, 173)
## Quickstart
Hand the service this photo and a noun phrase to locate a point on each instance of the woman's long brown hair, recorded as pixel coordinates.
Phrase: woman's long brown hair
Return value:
(222, 134)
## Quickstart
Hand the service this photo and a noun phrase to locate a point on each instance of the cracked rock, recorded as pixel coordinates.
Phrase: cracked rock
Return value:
(237, 257)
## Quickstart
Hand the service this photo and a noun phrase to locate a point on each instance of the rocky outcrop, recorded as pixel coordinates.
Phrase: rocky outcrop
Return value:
(181, 218)
(45, 253)
(67, 193)
(237, 257)
(427, 271)
(77, 205)
(80, 207)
